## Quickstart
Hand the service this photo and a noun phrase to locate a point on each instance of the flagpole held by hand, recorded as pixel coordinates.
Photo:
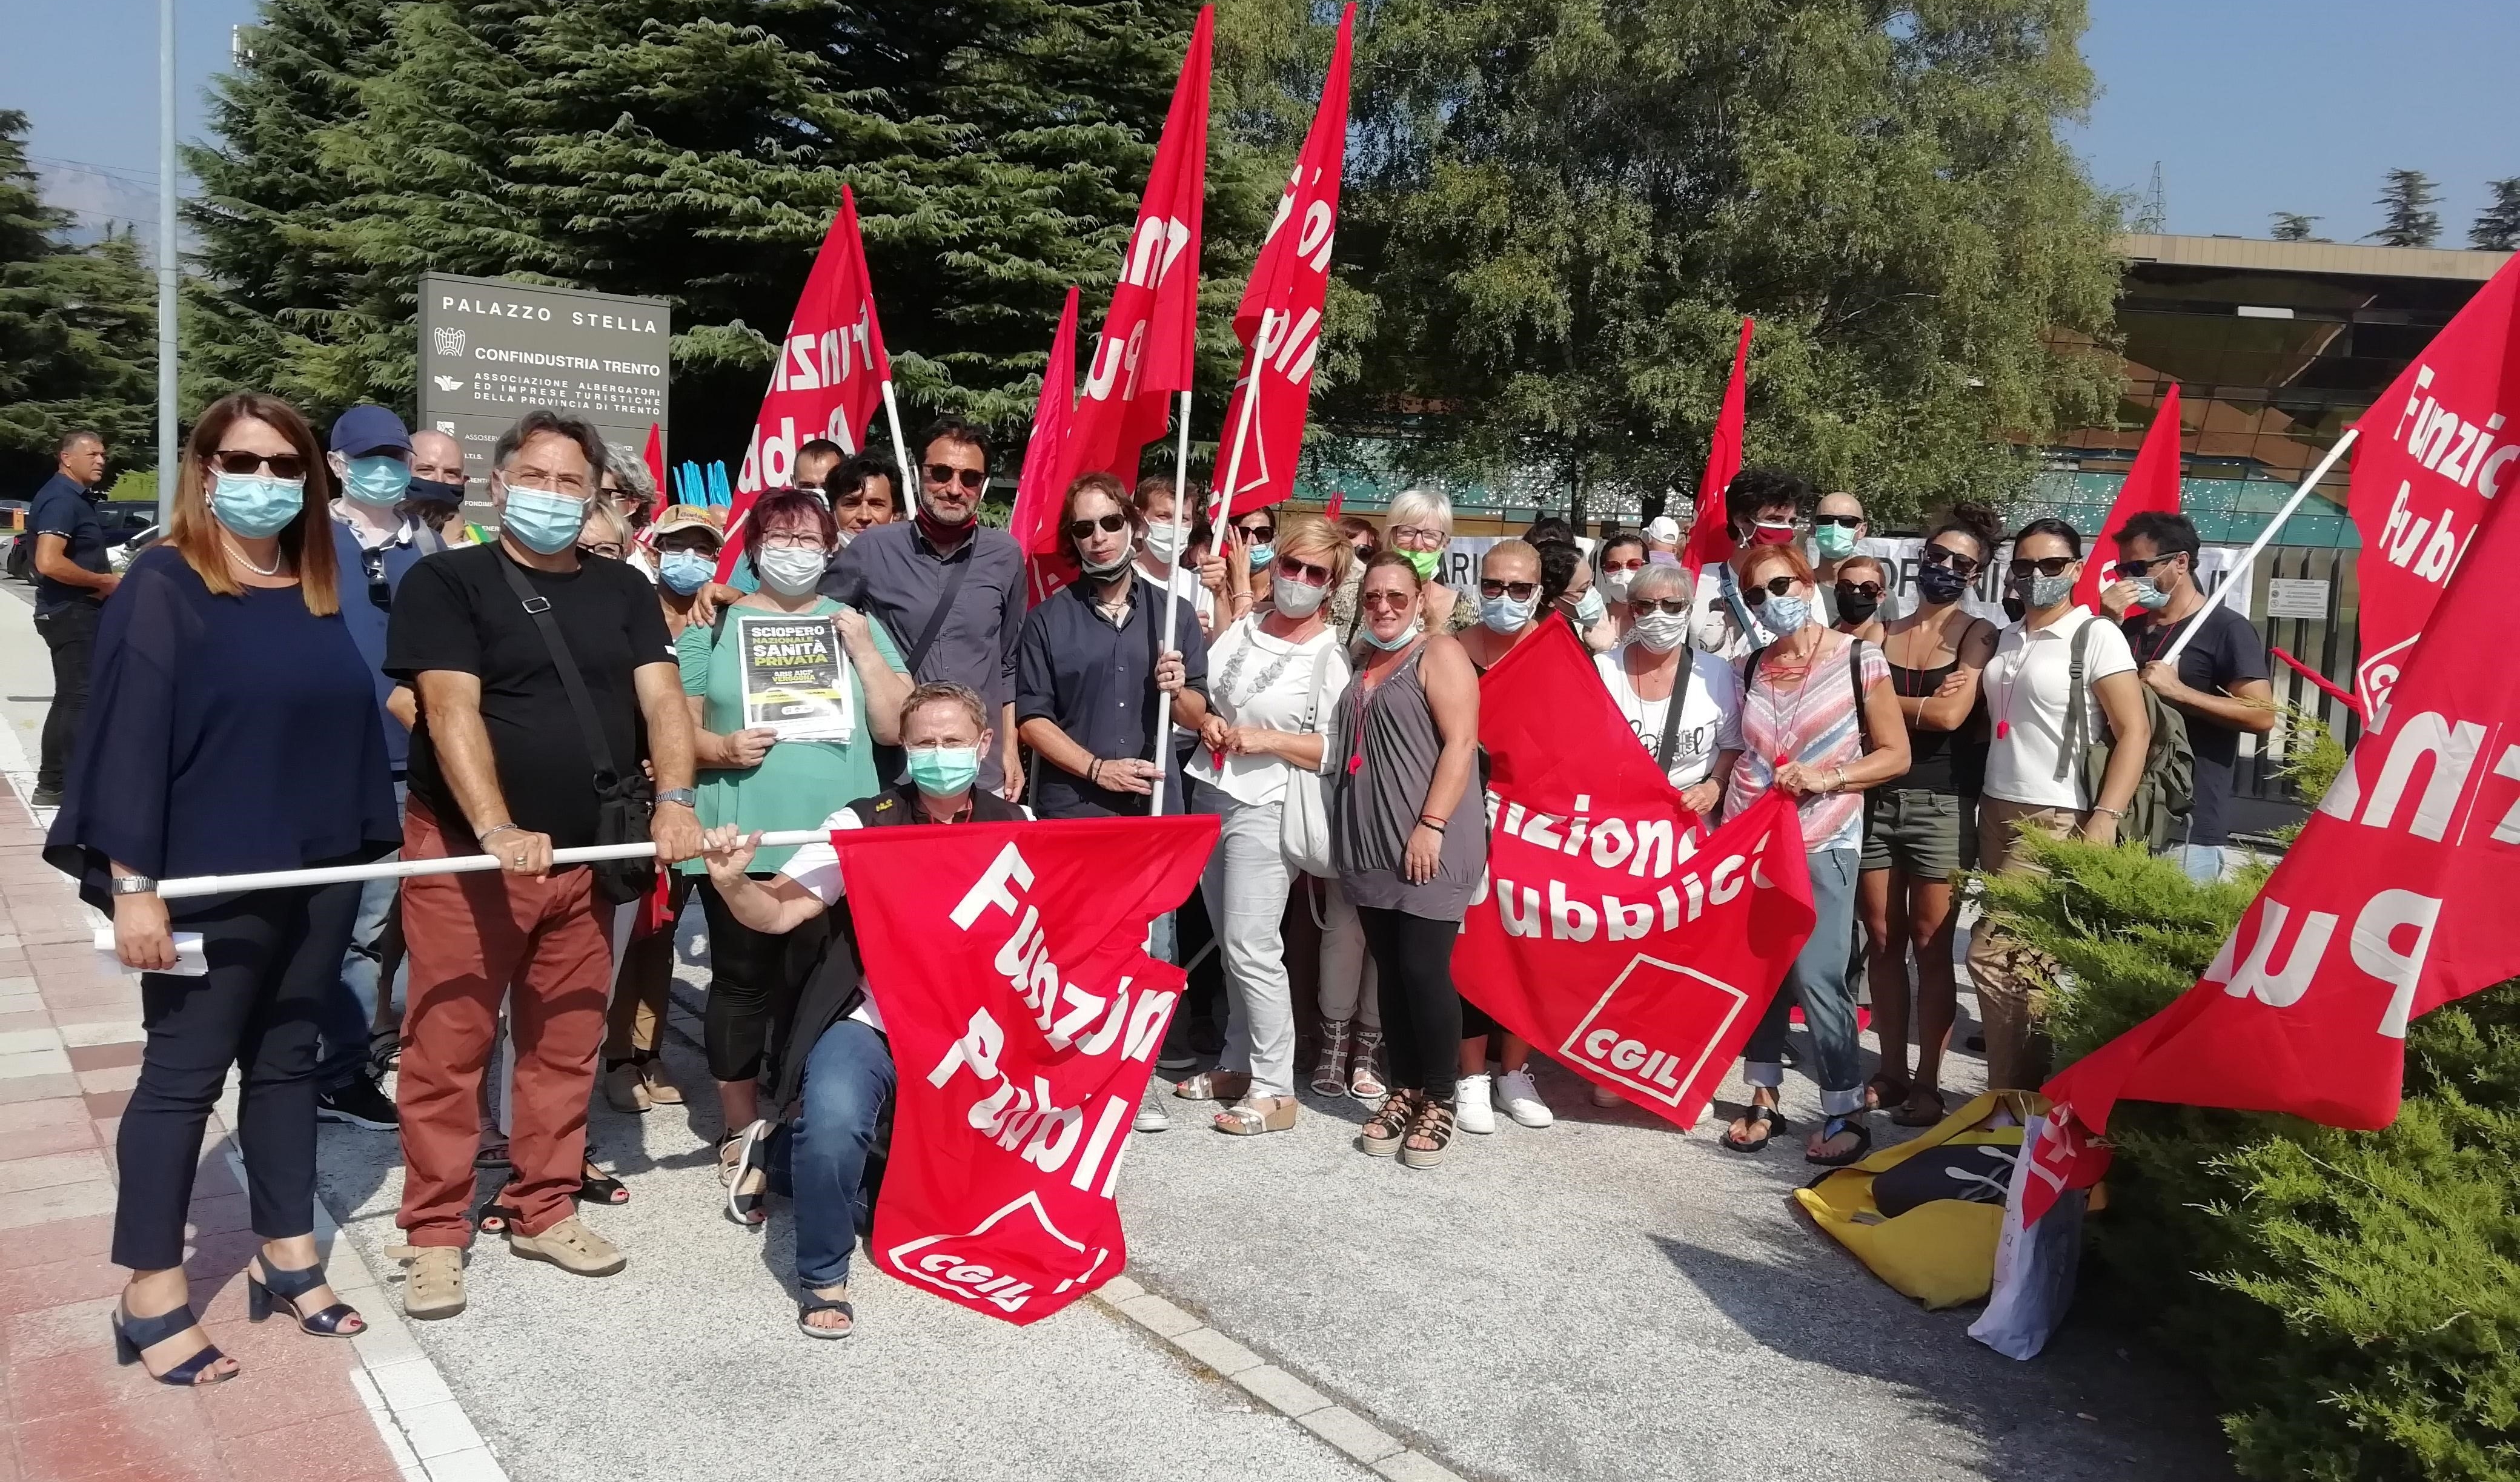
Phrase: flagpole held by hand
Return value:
(2239, 571)
(900, 448)
(1172, 611)
(404, 868)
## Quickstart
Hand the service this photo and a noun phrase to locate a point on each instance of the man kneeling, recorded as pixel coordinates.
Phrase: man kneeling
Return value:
(834, 1065)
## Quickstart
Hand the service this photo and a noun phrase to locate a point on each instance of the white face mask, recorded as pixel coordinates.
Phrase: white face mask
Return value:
(1660, 631)
(1295, 599)
(1163, 540)
(1615, 582)
(792, 572)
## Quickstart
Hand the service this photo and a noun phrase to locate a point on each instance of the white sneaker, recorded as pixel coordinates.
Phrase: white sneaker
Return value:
(1152, 1118)
(1521, 1099)
(1471, 1110)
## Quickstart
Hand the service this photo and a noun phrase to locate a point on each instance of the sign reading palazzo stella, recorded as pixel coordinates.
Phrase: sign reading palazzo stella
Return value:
(490, 348)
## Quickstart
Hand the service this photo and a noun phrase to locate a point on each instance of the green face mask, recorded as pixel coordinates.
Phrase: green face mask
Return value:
(1833, 542)
(944, 771)
(1425, 563)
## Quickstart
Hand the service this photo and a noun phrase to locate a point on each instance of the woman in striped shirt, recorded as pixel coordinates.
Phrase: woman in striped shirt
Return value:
(1820, 722)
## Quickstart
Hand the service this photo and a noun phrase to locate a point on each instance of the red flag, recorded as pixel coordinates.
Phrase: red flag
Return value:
(1279, 320)
(1710, 535)
(829, 378)
(1024, 1015)
(2392, 902)
(653, 457)
(2153, 483)
(1338, 501)
(1150, 341)
(2434, 451)
(1636, 951)
(1039, 490)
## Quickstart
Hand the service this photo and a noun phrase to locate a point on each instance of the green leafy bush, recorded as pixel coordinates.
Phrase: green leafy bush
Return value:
(2354, 1297)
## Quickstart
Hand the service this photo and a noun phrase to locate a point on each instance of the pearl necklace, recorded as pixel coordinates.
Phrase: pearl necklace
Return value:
(279, 558)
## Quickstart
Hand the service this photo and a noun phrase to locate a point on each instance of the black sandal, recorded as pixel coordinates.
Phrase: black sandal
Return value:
(809, 1304)
(492, 1155)
(1768, 1120)
(132, 1335)
(1434, 1123)
(1385, 1129)
(494, 1218)
(600, 1187)
(339, 1320)
(1907, 1114)
(1833, 1127)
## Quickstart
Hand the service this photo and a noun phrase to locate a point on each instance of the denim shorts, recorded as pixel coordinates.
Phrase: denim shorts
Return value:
(1916, 833)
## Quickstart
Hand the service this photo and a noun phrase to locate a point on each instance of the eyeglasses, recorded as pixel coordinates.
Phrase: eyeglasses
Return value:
(1670, 607)
(1395, 601)
(1775, 586)
(1081, 529)
(1303, 572)
(1872, 589)
(283, 466)
(1519, 591)
(1421, 537)
(2045, 566)
(2128, 567)
(791, 540)
(945, 473)
(1258, 532)
(611, 552)
(1944, 556)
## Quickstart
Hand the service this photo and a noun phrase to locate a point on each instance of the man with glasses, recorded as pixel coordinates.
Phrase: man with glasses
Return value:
(1761, 505)
(375, 546)
(950, 589)
(1836, 525)
(2219, 684)
(538, 674)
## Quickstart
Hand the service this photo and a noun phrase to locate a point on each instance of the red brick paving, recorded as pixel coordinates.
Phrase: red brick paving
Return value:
(69, 1411)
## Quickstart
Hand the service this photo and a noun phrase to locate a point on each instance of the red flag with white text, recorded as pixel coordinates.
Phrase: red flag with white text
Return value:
(1149, 341)
(2151, 483)
(829, 376)
(2394, 901)
(2433, 452)
(1008, 961)
(1710, 534)
(1039, 495)
(1630, 946)
(1279, 320)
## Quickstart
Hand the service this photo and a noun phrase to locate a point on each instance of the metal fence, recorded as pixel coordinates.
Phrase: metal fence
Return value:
(2307, 603)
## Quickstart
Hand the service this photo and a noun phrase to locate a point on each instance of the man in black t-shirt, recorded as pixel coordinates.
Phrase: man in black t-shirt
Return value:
(2219, 683)
(72, 580)
(502, 764)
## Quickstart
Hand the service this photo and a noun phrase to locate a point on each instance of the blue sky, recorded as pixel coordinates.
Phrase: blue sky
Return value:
(2249, 106)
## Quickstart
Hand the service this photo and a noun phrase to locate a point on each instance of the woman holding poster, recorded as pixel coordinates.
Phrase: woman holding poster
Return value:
(1820, 722)
(792, 693)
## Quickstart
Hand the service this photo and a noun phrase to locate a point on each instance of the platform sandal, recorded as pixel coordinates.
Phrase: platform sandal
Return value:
(1256, 1114)
(339, 1320)
(1432, 1124)
(1382, 1132)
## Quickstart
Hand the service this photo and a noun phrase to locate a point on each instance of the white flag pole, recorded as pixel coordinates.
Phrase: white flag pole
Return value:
(900, 448)
(2239, 571)
(1172, 610)
(462, 864)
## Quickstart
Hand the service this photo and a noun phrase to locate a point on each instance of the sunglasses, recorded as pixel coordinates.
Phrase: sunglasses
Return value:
(1519, 591)
(1364, 552)
(1303, 572)
(2045, 566)
(2144, 567)
(1842, 521)
(1669, 606)
(1257, 532)
(607, 548)
(1872, 589)
(1079, 530)
(969, 478)
(1773, 586)
(1944, 556)
(1396, 601)
(1637, 563)
(284, 467)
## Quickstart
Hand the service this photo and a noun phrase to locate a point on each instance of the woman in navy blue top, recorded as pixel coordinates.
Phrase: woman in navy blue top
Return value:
(231, 727)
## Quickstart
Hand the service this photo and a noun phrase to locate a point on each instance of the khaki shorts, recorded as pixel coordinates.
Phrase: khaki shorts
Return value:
(1919, 834)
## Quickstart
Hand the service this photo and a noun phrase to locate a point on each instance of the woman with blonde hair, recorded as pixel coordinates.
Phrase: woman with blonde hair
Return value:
(234, 728)
(1419, 525)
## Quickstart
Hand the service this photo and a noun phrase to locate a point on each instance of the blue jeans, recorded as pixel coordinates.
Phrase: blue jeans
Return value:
(2203, 863)
(1818, 981)
(345, 1029)
(848, 1087)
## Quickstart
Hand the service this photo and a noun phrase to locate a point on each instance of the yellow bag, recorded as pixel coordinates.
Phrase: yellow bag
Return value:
(1942, 1252)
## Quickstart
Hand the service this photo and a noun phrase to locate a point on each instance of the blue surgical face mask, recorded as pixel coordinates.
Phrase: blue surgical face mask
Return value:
(543, 521)
(1782, 616)
(1502, 614)
(1262, 553)
(253, 506)
(1590, 608)
(379, 481)
(2147, 596)
(1387, 644)
(683, 571)
(944, 771)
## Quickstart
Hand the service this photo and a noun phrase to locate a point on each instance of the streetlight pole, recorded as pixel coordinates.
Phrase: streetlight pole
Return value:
(166, 266)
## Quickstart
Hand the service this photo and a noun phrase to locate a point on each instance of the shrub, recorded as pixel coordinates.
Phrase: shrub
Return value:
(2354, 1297)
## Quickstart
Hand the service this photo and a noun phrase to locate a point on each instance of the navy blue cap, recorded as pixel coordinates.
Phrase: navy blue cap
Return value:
(369, 429)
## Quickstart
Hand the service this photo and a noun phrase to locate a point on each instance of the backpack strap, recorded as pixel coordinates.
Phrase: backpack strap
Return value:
(1678, 703)
(2076, 716)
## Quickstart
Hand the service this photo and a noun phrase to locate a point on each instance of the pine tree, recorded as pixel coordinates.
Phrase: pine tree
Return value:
(2408, 200)
(77, 331)
(1564, 207)
(2498, 226)
(2293, 226)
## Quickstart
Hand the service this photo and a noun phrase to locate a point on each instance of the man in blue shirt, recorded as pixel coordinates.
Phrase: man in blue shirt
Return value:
(372, 546)
(71, 583)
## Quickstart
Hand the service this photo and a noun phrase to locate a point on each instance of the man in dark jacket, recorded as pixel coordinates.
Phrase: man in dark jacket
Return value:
(72, 580)
(835, 1061)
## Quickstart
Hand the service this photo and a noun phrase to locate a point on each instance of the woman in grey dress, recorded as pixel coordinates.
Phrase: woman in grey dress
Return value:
(1409, 837)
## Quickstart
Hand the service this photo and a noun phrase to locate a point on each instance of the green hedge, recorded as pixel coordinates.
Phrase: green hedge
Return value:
(2354, 1297)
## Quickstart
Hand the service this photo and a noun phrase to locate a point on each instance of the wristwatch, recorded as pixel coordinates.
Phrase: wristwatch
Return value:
(134, 885)
(686, 797)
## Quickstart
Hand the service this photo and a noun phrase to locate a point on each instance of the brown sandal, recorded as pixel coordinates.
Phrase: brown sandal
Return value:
(1923, 1108)
(1885, 1091)
(1256, 1114)
(1433, 1124)
(1384, 1130)
(1215, 1086)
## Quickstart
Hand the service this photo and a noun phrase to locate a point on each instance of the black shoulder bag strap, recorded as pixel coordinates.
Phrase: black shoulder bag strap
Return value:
(622, 803)
(538, 608)
(956, 569)
(1854, 681)
(1678, 703)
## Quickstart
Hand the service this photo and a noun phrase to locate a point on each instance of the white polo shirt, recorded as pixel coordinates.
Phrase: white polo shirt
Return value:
(2025, 691)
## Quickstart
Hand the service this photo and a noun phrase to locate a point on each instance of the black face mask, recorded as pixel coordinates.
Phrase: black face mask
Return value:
(430, 491)
(1940, 584)
(1855, 607)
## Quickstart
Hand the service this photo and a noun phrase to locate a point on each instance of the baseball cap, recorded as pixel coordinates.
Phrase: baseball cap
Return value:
(1664, 528)
(686, 518)
(369, 429)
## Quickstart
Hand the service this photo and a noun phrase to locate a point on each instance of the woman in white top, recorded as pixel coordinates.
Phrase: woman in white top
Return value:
(1697, 751)
(1275, 678)
(2034, 772)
